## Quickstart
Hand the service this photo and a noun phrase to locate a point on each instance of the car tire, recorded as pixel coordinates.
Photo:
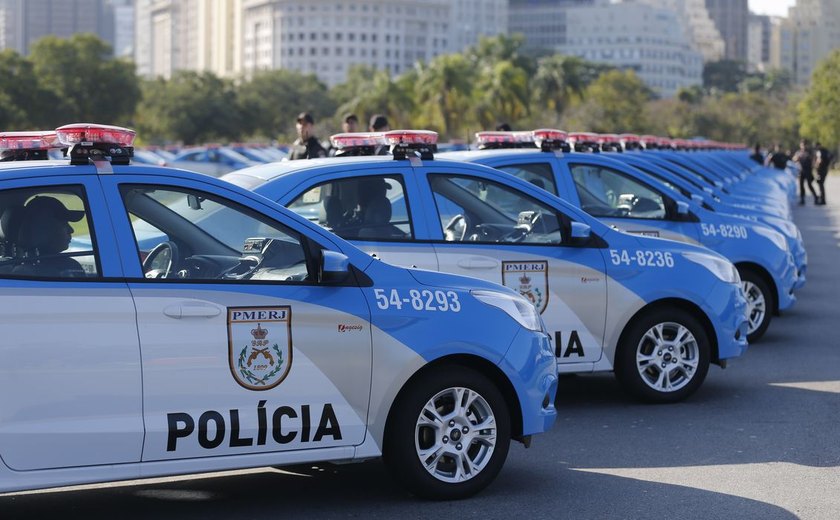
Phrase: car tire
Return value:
(663, 356)
(761, 301)
(434, 448)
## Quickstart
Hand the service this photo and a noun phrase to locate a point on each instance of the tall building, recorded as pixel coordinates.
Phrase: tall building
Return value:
(328, 37)
(165, 36)
(782, 44)
(472, 19)
(814, 26)
(23, 22)
(697, 24)
(123, 27)
(640, 37)
(759, 34)
(731, 18)
(543, 22)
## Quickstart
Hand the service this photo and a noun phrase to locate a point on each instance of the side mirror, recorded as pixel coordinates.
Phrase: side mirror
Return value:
(682, 207)
(697, 199)
(581, 231)
(335, 267)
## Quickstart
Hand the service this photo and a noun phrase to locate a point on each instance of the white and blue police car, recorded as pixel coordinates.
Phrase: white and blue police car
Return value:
(636, 203)
(657, 312)
(142, 339)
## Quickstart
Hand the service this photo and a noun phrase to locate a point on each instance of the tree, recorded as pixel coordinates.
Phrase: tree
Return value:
(819, 108)
(87, 83)
(272, 99)
(503, 94)
(191, 107)
(724, 75)
(561, 80)
(615, 102)
(444, 94)
(370, 91)
(24, 104)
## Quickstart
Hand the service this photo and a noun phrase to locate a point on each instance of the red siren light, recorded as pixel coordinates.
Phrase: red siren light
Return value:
(76, 133)
(409, 137)
(357, 139)
(36, 140)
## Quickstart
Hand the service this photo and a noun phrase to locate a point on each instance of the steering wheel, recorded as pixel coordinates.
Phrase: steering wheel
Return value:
(163, 260)
(456, 229)
(244, 269)
(485, 233)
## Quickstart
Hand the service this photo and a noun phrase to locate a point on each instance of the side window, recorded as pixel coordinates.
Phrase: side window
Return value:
(538, 174)
(45, 233)
(192, 235)
(359, 208)
(607, 193)
(491, 212)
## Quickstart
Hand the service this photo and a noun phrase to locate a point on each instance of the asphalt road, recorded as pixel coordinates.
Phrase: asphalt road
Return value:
(760, 440)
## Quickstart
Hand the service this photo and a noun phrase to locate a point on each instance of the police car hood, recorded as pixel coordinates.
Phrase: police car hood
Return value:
(454, 281)
(670, 245)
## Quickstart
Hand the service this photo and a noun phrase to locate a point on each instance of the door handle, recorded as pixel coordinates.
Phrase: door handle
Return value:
(192, 310)
(478, 262)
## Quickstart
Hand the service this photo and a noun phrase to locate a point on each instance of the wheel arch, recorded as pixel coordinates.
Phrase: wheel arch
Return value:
(768, 279)
(685, 305)
(480, 365)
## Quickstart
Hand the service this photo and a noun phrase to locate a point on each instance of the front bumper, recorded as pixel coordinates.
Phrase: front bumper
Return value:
(726, 307)
(532, 368)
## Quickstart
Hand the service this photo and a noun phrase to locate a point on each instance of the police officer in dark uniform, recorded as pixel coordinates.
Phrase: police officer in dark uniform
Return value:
(823, 162)
(306, 146)
(379, 123)
(805, 159)
(778, 158)
(349, 125)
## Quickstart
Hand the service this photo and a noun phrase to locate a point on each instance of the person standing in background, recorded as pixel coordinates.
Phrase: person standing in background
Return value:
(778, 158)
(804, 158)
(379, 123)
(306, 146)
(757, 156)
(823, 163)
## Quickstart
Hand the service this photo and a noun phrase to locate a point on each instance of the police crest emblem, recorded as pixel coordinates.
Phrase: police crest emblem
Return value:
(259, 345)
(530, 279)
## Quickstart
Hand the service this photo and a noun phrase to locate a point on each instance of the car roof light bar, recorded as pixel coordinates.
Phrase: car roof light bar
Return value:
(357, 143)
(610, 143)
(92, 142)
(407, 144)
(490, 139)
(551, 140)
(584, 142)
(27, 146)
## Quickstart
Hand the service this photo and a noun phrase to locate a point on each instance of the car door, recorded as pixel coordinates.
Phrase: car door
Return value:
(372, 210)
(244, 351)
(491, 231)
(623, 201)
(70, 377)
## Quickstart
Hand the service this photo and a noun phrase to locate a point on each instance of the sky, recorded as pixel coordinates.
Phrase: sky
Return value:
(772, 7)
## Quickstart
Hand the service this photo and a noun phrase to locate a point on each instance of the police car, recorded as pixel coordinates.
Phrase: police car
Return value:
(624, 197)
(647, 163)
(657, 312)
(143, 339)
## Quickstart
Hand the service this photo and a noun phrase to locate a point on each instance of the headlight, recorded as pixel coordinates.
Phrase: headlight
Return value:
(720, 267)
(517, 307)
(772, 235)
